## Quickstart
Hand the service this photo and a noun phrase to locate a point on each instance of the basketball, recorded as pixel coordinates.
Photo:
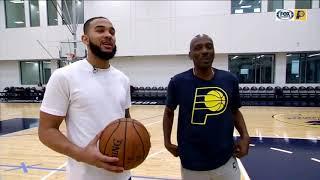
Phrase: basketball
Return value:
(215, 100)
(126, 139)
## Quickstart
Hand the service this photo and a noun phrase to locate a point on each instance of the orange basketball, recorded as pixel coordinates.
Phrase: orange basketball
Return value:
(126, 139)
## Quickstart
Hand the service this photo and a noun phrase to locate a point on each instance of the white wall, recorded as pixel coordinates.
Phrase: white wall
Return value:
(280, 69)
(166, 28)
(157, 70)
(156, 34)
(9, 74)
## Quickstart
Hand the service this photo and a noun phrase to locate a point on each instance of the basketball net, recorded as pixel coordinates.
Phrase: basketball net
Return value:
(71, 56)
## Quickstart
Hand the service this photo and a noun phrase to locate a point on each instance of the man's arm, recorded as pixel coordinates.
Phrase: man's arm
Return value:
(51, 136)
(167, 129)
(242, 146)
(127, 113)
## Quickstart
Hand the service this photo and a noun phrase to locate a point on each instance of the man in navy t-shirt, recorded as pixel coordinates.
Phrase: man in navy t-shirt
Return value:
(209, 102)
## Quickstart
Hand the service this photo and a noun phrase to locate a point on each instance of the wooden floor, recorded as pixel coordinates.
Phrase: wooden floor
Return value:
(22, 156)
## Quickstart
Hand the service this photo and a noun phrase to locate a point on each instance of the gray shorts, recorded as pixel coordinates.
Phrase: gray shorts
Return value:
(229, 171)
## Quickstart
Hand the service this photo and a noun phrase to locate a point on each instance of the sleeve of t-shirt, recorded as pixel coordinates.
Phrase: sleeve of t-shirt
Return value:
(171, 101)
(56, 97)
(128, 95)
(236, 101)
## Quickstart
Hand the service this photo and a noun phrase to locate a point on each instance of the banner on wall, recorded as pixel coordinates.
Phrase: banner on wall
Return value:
(291, 14)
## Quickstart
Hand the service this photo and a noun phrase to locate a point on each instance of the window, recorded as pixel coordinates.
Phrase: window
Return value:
(303, 68)
(67, 11)
(34, 13)
(245, 6)
(33, 72)
(303, 4)
(274, 4)
(14, 11)
(52, 15)
(30, 73)
(46, 71)
(63, 63)
(253, 68)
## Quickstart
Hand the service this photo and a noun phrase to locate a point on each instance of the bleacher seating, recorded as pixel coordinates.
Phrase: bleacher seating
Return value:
(21, 94)
(250, 96)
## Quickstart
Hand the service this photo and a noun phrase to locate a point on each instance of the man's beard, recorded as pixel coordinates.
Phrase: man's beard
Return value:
(103, 55)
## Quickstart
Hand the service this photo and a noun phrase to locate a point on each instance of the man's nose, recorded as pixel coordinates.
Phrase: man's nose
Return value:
(107, 35)
(205, 51)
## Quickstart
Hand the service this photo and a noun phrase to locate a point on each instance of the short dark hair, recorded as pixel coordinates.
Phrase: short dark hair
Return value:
(87, 23)
(200, 36)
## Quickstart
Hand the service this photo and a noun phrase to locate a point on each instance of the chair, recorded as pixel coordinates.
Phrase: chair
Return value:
(153, 92)
(286, 92)
(311, 92)
(254, 92)
(147, 92)
(303, 93)
(294, 92)
(246, 92)
(141, 92)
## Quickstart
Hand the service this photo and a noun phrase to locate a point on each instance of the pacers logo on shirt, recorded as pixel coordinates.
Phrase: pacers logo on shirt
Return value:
(208, 101)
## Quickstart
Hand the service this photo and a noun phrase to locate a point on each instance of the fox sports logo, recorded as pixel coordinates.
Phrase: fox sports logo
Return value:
(284, 14)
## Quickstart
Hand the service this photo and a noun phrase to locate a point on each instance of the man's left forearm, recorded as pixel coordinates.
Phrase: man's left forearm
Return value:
(240, 124)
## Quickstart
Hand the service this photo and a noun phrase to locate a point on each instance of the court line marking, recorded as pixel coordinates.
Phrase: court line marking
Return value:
(243, 170)
(63, 165)
(281, 150)
(156, 153)
(314, 159)
(289, 137)
(149, 124)
(151, 117)
(149, 178)
(283, 121)
(252, 145)
(51, 173)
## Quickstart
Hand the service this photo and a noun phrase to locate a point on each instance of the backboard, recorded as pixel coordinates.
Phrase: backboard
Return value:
(72, 50)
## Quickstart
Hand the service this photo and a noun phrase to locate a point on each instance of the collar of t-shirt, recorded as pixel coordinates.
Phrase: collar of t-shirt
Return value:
(95, 69)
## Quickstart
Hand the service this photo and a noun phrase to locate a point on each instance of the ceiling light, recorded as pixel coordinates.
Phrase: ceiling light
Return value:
(249, 6)
(17, 1)
(311, 55)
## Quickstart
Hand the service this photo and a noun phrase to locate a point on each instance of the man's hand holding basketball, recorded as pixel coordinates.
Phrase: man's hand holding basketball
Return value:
(91, 155)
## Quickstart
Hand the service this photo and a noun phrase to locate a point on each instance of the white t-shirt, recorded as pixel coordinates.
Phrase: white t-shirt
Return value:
(90, 101)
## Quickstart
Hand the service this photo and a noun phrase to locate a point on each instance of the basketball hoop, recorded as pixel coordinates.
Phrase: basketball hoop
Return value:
(71, 56)
(72, 51)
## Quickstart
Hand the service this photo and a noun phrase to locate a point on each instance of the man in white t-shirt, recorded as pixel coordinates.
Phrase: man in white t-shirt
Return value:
(88, 94)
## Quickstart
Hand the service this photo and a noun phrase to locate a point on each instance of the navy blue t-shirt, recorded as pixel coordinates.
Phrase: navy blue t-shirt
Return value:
(205, 121)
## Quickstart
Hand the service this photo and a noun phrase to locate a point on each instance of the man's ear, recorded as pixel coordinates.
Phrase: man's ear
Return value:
(190, 55)
(85, 39)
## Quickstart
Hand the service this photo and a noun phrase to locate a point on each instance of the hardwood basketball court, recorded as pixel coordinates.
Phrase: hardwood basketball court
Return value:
(23, 156)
